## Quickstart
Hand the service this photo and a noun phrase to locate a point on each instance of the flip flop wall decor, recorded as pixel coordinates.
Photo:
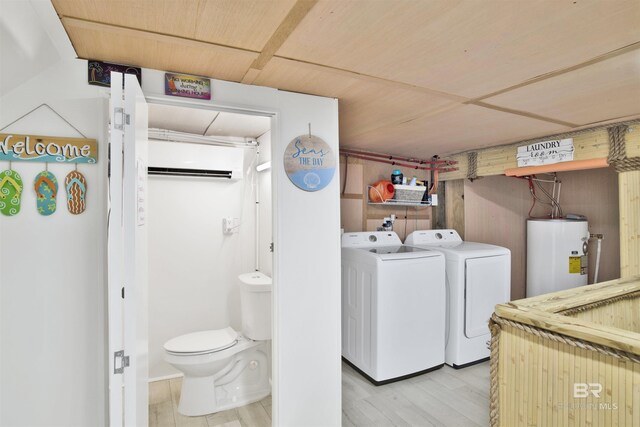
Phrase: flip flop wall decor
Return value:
(10, 192)
(76, 186)
(46, 186)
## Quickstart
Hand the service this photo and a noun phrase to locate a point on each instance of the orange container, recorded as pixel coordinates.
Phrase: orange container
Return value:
(381, 191)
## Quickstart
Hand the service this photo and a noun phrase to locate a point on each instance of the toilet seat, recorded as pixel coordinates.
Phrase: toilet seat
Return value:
(202, 342)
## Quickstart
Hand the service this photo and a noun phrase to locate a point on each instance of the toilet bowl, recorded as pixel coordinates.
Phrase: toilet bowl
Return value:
(223, 369)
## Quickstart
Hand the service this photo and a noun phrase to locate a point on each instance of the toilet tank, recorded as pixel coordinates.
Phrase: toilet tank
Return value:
(255, 302)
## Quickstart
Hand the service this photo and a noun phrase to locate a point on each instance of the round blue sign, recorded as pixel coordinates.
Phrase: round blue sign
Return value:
(309, 163)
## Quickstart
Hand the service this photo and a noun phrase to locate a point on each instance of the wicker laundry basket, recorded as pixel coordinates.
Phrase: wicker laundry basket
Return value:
(409, 193)
(568, 358)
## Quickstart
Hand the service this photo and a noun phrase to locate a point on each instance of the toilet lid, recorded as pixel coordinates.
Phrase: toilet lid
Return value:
(203, 341)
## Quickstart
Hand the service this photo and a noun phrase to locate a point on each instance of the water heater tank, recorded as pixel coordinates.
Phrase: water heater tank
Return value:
(556, 254)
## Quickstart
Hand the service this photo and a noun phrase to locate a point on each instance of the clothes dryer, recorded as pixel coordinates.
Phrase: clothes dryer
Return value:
(478, 276)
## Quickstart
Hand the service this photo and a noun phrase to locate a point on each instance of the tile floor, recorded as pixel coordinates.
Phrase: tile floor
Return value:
(446, 397)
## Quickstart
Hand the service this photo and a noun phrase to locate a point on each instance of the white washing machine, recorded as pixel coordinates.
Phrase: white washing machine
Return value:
(478, 276)
(393, 307)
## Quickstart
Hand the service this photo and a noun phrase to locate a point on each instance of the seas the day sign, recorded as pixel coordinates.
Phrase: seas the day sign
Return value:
(309, 163)
(36, 148)
(545, 152)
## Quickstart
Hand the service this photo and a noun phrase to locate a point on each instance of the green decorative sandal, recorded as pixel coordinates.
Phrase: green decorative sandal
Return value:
(10, 192)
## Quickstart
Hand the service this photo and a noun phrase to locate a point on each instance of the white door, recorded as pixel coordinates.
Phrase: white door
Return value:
(127, 263)
(487, 284)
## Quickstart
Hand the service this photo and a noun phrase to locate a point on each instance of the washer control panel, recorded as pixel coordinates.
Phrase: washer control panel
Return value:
(370, 239)
(425, 237)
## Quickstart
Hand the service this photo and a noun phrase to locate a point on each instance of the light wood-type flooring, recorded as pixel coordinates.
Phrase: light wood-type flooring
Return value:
(446, 397)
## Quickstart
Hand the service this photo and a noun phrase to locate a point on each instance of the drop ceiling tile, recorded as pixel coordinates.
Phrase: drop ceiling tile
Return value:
(605, 90)
(464, 128)
(364, 105)
(304, 78)
(177, 17)
(244, 24)
(157, 52)
(367, 106)
(469, 48)
(241, 125)
(180, 119)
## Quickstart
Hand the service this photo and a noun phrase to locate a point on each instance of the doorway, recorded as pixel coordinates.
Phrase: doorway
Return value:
(210, 220)
(305, 298)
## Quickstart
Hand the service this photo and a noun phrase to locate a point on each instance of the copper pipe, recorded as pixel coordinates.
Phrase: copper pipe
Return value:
(391, 162)
(390, 157)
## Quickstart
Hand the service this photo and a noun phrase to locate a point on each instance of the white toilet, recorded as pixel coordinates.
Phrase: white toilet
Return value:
(223, 369)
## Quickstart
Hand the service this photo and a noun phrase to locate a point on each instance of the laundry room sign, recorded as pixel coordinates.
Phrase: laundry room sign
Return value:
(309, 162)
(545, 152)
(36, 148)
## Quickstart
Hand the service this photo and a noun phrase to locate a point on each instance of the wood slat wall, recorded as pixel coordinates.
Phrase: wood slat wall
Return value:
(629, 187)
(454, 205)
(495, 160)
(536, 375)
(357, 215)
(496, 210)
(589, 145)
(623, 314)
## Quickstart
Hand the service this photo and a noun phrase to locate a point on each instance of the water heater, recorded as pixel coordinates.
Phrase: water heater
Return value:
(556, 254)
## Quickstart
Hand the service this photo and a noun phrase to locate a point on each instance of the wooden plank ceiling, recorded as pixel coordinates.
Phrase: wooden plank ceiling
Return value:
(413, 77)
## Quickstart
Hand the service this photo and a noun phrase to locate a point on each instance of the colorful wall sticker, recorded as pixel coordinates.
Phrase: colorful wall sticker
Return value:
(46, 186)
(99, 73)
(36, 148)
(187, 86)
(76, 186)
(309, 162)
(10, 192)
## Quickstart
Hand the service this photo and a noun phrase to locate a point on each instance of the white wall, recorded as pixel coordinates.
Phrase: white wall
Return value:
(53, 298)
(193, 266)
(53, 364)
(306, 295)
(265, 256)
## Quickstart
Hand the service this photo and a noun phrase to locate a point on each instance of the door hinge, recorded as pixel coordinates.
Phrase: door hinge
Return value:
(271, 247)
(120, 118)
(124, 362)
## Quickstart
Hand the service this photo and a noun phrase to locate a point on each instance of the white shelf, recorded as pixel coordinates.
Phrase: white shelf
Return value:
(397, 202)
(394, 202)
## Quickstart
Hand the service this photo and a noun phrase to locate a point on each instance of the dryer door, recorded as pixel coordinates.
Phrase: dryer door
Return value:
(487, 284)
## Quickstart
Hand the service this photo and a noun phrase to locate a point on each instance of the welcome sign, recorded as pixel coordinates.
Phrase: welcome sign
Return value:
(545, 152)
(36, 148)
(309, 163)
